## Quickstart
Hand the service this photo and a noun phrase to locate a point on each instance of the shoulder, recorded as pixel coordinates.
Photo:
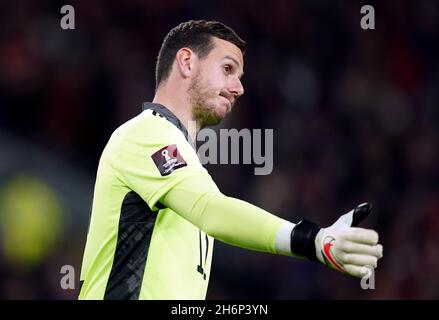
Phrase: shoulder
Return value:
(147, 129)
(146, 125)
(147, 132)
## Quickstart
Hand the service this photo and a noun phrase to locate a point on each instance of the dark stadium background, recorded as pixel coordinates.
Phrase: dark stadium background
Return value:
(355, 115)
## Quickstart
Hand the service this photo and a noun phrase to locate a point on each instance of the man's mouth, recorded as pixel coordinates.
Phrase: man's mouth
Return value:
(228, 103)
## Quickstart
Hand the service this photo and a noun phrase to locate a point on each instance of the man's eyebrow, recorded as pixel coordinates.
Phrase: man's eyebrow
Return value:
(236, 62)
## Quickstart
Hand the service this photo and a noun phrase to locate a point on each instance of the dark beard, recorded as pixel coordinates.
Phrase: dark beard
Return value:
(203, 113)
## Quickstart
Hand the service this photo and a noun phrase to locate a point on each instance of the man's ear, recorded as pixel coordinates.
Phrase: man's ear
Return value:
(185, 62)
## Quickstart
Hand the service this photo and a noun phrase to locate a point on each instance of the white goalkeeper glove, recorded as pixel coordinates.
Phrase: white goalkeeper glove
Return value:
(341, 246)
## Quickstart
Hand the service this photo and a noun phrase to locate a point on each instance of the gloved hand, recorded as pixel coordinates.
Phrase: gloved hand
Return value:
(349, 249)
(341, 246)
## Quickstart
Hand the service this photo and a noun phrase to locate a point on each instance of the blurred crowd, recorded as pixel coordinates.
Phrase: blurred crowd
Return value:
(355, 115)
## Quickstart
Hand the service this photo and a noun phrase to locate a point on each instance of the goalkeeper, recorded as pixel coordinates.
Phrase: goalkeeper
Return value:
(156, 210)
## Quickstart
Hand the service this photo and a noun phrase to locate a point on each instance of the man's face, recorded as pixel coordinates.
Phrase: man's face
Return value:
(217, 84)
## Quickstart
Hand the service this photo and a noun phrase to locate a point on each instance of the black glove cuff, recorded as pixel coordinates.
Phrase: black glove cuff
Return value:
(302, 239)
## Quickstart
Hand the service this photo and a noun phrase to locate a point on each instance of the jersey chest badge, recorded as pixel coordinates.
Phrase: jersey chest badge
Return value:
(168, 159)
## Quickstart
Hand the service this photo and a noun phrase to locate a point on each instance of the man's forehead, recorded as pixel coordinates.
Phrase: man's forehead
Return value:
(225, 49)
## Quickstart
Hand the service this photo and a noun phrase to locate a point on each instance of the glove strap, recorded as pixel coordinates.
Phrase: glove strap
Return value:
(302, 239)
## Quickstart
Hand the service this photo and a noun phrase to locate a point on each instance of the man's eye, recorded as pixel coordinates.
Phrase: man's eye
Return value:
(227, 68)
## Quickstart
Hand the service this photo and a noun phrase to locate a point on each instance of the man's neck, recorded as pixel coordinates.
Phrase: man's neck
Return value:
(180, 108)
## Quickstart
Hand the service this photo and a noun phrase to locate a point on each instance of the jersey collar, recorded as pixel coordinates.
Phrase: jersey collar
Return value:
(165, 112)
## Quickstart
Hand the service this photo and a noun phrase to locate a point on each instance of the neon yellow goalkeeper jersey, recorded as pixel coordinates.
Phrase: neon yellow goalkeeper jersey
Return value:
(136, 248)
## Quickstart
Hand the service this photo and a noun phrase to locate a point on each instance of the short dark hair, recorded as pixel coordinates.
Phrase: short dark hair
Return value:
(196, 35)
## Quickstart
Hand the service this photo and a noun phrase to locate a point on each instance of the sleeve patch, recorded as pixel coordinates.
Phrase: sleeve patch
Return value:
(168, 159)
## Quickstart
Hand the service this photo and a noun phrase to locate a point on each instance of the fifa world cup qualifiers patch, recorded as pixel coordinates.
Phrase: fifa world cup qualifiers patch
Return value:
(168, 159)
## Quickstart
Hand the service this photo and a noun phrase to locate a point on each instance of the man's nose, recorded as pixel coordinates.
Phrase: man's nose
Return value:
(236, 88)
